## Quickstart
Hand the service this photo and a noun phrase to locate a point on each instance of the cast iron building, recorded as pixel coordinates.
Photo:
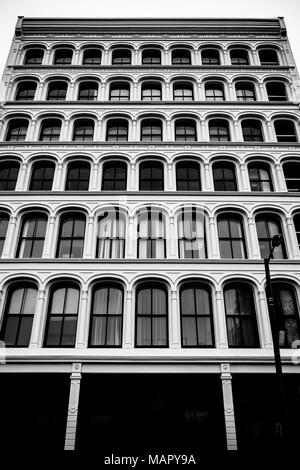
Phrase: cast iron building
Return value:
(145, 166)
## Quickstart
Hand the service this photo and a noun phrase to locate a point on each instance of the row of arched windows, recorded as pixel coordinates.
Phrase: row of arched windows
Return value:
(151, 315)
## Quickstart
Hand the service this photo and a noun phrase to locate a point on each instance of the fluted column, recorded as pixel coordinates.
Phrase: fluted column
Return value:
(128, 321)
(31, 130)
(280, 178)
(10, 237)
(82, 328)
(49, 238)
(171, 185)
(89, 239)
(244, 177)
(271, 132)
(135, 96)
(21, 179)
(57, 183)
(71, 92)
(293, 242)
(229, 416)
(39, 94)
(207, 178)
(65, 131)
(254, 245)
(263, 95)
(173, 238)
(71, 427)
(200, 92)
(231, 92)
(134, 130)
(227, 60)
(94, 182)
(130, 238)
(266, 333)
(256, 60)
(214, 238)
(169, 131)
(204, 131)
(168, 96)
(98, 132)
(47, 58)
(132, 176)
(174, 323)
(221, 336)
(2, 130)
(238, 135)
(38, 321)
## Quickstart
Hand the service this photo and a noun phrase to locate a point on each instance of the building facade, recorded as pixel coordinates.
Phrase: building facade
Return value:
(145, 166)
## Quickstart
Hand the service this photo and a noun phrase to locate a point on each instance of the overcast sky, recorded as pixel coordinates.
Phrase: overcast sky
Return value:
(10, 9)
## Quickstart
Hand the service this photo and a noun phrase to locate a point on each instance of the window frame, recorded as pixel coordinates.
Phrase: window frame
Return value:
(120, 86)
(30, 92)
(252, 130)
(45, 165)
(191, 167)
(9, 165)
(87, 132)
(214, 126)
(152, 135)
(78, 166)
(151, 62)
(4, 219)
(151, 241)
(63, 60)
(21, 134)
(31, 240)
(86, 86)
(150, 165)
(232, 217)
(258, 166)
(241, 89)
(61, 90)
(55, 130)
(116, 166)
(89, 49)
(271, 217)
(74, 216)
(117, 124)
(31, 50)
(225, 165)
(120, 218)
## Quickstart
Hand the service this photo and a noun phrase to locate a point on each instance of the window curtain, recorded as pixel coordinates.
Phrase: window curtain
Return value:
(151, 235)
(107, 317)
(111, 236)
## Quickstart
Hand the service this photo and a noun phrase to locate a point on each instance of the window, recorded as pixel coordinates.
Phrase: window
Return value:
(50, 130)
(218, 130)
(260, 178)
(151, 92)
(224, 177)
(57, 91)
(292, 176)
(252, 130)
(117, 130)
(196, 316)
(268, 57)
(92, 57)
(114, 176)
(32, 236)
(287, 313)
(71, 236)
(4, 219)
(214, 92)
(231, 237)
(239, 57)
(285, 130)
(188, 176)
(17, 130)
(245, 91)
(181, 57)
(185, 130)
(151, 176)
(8, 175)
(34, 57)
(276, 91)
(62, 316)
(119, 92)
(297, 227)
(151, 316)
(240, 316)
(151, 235)
(88, 91)
(151, 57)
(111, 235)
(107, 316)
(183, 92)
(78, 176)
(63, 57)
(83, 130)
(26, 91)
(267, 226)
(42, 176)
(191, 234)
(121, 57)
(151, 130)
(18, 315)
(210, 57)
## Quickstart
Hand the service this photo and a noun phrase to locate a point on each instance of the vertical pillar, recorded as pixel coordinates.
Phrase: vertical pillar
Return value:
(65, 131)
(9, 239)
(71, 427)
(256, 60)
(226, 379)
(254, 246)
(263, 96)
(21, 178)
(81, 338)
(266, 334)
(280, 178)
(130, 239)
(135, 92)
(58, 177)
(88, 249)
(98, 132)
(94, 183)
(213, 238)
(31, 130)
(200, 92)
(172, 245)
(71, 92)
(271, 132)
(227, 60)
(222, 342)
(38, 321)
(244, 178)
(132, 176)
(293, 242)
(168, 96)
(39, 94)
(207, 178)
(174, 322)
(171, 186)
(1, 130)
(237, 131)
(169, 131)
(231, 92)
(48, 244)
(47, 59)
(134, 130)
(75, 60)
(128, 321)
(204, 134)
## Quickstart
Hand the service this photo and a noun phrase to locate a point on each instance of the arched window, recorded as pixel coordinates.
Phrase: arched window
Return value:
(151, 235)
(151, 92)
(4, 219)
(240, 316)
(231, 237)
(219, 130)
(287, 313)
(63, 56)
(260, 177)
(18, 315)
(117, 130)
(245, 91)
(119, 92)
(188, 176)
(276, 91)
(106, 316)
(252, 131)
(32, 236)
(42, 176)
(88, 91)
(224, 177)
(268, 57)
(57, 91)
(121, 57)
(292, 176)
(17, 130)
(196, 316)
(78, 176)
(26, 91)
(239, 57)
(151, 316)
(71, 236)
(285, 130)
(34, 57)
(181, 57)
(50, 130)
(8, 175)
(114, 176)
(297, 227)
(111, 235)
(83, 130)
(151, 57)
(185, 130)
(210, 57)
(214, 92)
(191, 234)
(151, 130)
(151, 176)
(267, 226)
(62, 316)
(91, 57)
(183, 92)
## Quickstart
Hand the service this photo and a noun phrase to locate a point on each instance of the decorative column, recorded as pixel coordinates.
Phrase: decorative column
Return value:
(254, 245)
(94, 183)
(170, 178)
(128, 321)
(39, 94)
(49, 238)
(135, 92)
(204, 132)
(167, 58)
(105, 57)
(280, 178)
(134, 130)
(98, 131)
(132, 176)
(200, 95)
(21, 178)
(9, 96)
(168, 96)
(70, 438)
(230, 428)
(227, 60)
(173, 238)
(130, 242)
(222, 342)
(207, 178)
(135, 60)
(237, 131)
(31, 130)
(271, 132)
(76, 58)
(46, 60)
(1, 129)
(65, 132)
(102, 92)
(244, 178)
(263, 96)
(215, 254)
(231, 92)
(256, 60)
(58, 178)
(174, 322)
(169, 131)
(9, 239)
(82, 328)
(71, 92)
(88, 249)
(294, 246)
(38, 321)
(266, 334)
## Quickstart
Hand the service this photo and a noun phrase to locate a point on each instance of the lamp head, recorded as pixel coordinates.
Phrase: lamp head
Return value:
(277, 240)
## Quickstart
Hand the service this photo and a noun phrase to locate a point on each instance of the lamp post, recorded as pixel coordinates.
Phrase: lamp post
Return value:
(281, 411)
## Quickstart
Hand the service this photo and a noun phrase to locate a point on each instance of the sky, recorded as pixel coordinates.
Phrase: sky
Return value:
(10, 9)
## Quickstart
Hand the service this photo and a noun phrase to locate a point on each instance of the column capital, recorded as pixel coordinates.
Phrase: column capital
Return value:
(91, 219)
(59, 165)
(52, 218)
(250, 219)
(84, 294)
(289, 220)
(42, 293)
(174, 294)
